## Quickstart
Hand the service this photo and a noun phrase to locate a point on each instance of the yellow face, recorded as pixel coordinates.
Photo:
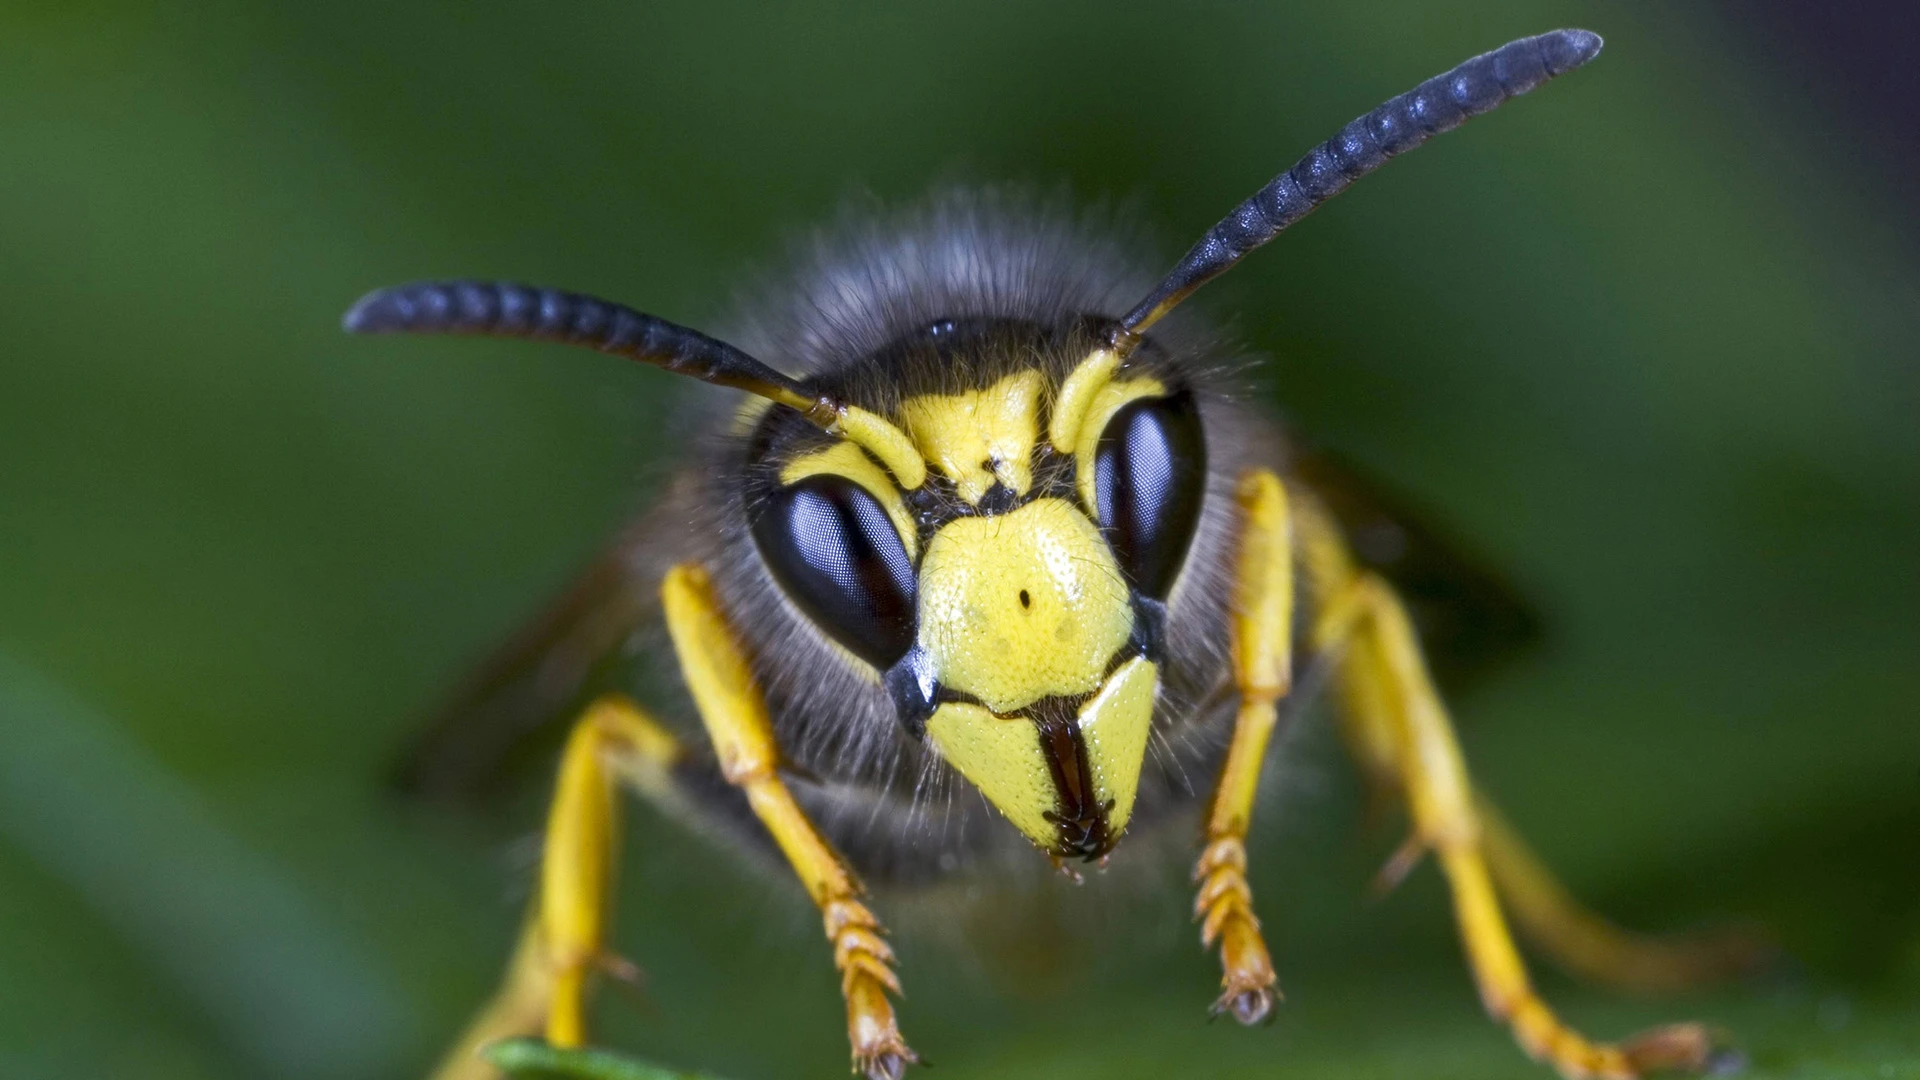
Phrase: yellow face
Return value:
(1016, 640)
(1025, 614)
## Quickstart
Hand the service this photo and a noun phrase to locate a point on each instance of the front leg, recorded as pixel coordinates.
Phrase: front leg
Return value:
(736, 720)
(1262, 671)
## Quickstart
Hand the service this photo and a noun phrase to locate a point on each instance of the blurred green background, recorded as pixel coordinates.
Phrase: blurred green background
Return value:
(1645, 340)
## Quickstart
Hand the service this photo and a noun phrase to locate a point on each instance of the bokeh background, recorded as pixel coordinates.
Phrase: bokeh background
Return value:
(1645, 341)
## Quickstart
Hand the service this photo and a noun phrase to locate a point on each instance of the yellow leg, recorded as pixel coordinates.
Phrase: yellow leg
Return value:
(564, 941)
(1407, 733)
(736, 719)
(1262, 668)
(1589, 946)
(1545, 913)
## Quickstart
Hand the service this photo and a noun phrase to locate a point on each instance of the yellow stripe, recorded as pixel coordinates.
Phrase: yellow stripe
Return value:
(1110, 399)
(1076, 396)
(981, 436)
(847, 460)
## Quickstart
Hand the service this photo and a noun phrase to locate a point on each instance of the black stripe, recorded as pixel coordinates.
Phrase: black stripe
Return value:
(1080, 819)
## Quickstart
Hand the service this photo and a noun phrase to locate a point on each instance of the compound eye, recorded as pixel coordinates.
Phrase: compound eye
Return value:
(1149, 473)
(836, 553)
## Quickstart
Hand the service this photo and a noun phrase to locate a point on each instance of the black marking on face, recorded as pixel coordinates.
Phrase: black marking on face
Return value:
(1149, 638)
(999, 499)
(915, 692)
(1081, 820)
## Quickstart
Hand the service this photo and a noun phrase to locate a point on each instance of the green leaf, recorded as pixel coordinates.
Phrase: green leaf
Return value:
(531, 1059)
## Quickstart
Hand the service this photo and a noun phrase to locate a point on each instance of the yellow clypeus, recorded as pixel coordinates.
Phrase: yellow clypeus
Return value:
(1018, 606)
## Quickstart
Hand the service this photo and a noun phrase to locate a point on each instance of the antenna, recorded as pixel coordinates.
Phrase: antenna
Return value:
(1442, 103)
(508, 310)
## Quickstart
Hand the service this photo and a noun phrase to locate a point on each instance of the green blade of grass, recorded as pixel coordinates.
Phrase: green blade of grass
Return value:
(531, 1059)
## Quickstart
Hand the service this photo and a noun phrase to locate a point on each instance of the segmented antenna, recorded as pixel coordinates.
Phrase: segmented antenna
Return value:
(1442, 103)
(507, 310)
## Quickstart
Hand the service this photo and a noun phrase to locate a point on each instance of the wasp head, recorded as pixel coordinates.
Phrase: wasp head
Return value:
(1013, 603)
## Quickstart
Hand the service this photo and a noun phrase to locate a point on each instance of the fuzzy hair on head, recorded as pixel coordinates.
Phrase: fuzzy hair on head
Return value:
(852, 287)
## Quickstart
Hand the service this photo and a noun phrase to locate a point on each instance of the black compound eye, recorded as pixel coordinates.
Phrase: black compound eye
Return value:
(835, 551)
(1149, 472)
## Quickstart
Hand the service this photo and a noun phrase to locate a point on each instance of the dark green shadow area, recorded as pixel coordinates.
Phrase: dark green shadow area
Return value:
(1644, 341)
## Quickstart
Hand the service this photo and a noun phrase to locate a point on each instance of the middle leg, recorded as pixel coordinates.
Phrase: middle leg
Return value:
(1385, 683)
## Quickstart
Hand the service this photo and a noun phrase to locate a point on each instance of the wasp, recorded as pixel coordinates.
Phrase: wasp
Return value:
(994, 520)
